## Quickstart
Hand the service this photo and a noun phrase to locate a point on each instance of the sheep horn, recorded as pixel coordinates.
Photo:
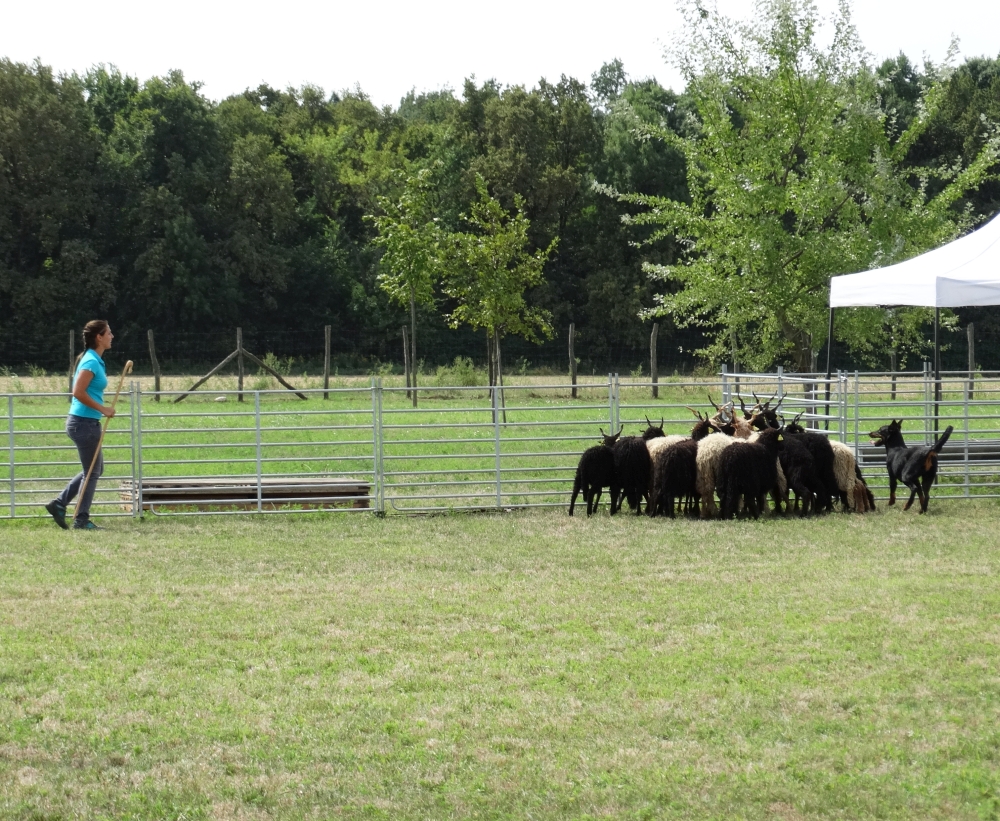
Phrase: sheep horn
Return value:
(695, 412)
(775, 408)
(710, 399)
(797, 418)
(662, 420)
(743, 406)
(768, 402)
(620, 430)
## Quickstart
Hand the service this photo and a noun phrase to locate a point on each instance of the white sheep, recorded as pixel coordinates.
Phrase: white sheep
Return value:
(656, 449)
(845, 470)
(709, 449)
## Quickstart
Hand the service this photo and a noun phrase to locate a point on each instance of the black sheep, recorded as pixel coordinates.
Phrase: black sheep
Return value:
(676, 478)
(822, 453)
(762, 415)
(596, 471)
(652, 431)
(632, 469)
(800, 474)
(748, 470)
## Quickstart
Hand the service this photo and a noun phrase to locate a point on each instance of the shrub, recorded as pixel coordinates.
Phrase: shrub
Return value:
(461, 373)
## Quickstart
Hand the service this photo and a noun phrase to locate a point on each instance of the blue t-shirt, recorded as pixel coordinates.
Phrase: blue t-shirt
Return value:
(90, 361)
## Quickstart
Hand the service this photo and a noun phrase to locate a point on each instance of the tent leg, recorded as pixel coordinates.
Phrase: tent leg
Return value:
(829, 348)
(937, 366)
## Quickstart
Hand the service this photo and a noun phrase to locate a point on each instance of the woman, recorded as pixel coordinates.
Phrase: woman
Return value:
(84, 425)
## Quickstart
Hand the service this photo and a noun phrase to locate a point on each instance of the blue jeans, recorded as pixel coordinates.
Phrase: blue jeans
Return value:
(86, 434)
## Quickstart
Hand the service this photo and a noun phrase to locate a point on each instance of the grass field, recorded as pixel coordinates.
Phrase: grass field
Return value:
(502, 666)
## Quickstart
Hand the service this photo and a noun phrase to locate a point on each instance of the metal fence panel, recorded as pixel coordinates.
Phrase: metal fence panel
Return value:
(461, 448)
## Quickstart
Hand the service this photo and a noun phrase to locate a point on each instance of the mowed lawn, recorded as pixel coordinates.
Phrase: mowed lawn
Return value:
(523, 665)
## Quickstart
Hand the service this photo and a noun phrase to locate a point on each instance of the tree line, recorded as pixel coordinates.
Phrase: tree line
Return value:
(721, 209)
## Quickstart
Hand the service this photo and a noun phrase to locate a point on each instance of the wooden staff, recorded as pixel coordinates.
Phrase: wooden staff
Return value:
(125, 372)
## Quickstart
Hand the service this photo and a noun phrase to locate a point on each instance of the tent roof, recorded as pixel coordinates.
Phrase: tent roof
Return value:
(963, 273)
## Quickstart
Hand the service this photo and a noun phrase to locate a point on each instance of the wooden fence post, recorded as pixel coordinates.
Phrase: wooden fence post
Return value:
(156, 365)
(971, 331)
(572, 357)
(72, 359)
(239, 364)
(327, 330)
(654, 374)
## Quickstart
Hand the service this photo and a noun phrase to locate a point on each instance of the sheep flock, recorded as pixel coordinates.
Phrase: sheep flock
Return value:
(744, 458)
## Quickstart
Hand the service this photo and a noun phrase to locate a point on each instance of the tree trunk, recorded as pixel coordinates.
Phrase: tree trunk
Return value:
(736, 360)
(654, 374)
(156, 364)
(572, 357)
(490, 358)
(327, 331)
(801, 344)
(406, 360)
(239, 364)
(499, 375)
(413, 343)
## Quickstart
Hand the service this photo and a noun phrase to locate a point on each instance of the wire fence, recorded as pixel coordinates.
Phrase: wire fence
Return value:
(302, 350)
(366, 448)
(298, 350)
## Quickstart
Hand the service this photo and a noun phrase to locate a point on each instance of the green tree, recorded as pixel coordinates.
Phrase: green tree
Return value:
(51, 271)
(487, 272)
(792, 177)
(410, 238)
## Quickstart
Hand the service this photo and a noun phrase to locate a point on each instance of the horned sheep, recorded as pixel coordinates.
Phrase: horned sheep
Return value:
(594, 472)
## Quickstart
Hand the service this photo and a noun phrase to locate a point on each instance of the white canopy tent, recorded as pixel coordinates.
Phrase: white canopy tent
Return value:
(963, 273)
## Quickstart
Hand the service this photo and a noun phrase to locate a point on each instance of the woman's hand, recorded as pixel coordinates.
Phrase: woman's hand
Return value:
(109, 412)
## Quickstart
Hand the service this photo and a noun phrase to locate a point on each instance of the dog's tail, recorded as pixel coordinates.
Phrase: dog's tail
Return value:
(943, 439)
(931, 461)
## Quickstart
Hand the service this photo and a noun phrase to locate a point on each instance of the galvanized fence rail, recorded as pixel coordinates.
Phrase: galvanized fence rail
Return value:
(462, 448)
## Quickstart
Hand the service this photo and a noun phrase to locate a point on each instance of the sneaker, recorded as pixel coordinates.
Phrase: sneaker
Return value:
(57, 512)
(87, 525)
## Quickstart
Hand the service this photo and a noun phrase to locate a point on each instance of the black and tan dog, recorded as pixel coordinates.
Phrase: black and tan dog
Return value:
(915, 467)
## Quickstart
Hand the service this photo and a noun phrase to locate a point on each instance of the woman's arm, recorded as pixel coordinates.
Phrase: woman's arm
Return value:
(80, 393)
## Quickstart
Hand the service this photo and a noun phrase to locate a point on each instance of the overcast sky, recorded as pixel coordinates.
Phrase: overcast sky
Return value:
(390, 47)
